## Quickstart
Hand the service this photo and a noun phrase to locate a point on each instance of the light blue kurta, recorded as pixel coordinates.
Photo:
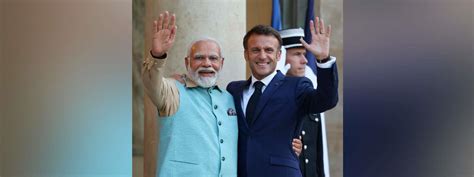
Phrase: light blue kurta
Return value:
(200, 140)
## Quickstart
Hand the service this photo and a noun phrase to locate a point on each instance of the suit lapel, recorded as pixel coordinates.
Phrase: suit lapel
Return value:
(267, 94)
(240, 92)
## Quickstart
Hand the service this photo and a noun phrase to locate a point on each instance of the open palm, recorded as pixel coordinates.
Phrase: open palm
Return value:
(319, 45)
(164, 34)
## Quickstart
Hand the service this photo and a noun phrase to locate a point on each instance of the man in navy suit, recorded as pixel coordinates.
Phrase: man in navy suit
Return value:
(293, 62)
(270, 106)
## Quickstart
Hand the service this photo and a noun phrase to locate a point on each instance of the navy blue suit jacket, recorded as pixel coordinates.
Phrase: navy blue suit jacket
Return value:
(264, 148)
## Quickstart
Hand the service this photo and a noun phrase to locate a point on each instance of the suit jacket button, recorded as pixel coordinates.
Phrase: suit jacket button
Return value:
(303, 132)
(306, 161)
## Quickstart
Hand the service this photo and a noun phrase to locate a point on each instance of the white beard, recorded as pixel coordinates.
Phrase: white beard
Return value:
(204, 82)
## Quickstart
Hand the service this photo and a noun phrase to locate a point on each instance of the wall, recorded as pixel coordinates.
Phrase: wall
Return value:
(331, 12)
(1, 88)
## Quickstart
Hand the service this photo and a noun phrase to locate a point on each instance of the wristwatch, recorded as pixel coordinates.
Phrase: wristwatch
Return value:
(324, 60)
(158, 57)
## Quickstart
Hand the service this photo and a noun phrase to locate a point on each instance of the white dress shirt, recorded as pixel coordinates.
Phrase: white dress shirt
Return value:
(249, 90)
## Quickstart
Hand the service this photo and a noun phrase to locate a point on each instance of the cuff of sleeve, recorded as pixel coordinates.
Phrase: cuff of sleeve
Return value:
(159, 63)
(150, 63)
(327, 64)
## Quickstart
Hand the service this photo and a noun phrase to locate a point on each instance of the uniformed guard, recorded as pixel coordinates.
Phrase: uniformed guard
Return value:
(312, 156)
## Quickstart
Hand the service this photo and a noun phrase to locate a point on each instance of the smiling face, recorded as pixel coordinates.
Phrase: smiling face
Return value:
(262, 55)
(204, 63)
(296, 58)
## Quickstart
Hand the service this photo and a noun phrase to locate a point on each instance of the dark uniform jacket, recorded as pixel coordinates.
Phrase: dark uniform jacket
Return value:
(311, 158)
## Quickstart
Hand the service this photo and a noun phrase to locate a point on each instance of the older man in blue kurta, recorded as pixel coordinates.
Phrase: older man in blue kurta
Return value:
(198, 133)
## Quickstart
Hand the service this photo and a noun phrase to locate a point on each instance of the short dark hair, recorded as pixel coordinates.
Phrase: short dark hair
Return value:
(262, 30)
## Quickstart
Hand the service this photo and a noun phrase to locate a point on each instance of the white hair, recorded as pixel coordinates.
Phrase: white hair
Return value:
(190, 46)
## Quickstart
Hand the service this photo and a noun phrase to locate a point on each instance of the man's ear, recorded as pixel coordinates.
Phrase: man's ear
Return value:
(186, 62)
(278, 55)
(246, 55)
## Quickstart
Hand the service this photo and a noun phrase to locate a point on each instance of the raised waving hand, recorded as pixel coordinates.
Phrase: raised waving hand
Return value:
(164, 34)
(319, 45)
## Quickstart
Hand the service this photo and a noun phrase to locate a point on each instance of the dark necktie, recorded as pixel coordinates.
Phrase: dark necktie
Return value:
(252, 104)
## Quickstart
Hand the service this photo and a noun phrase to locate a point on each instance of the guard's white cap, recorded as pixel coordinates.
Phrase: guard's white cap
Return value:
(291, 37)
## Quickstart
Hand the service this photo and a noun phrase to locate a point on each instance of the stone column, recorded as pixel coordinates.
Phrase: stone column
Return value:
(223, 20)
(1, 87)
(331, 12)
